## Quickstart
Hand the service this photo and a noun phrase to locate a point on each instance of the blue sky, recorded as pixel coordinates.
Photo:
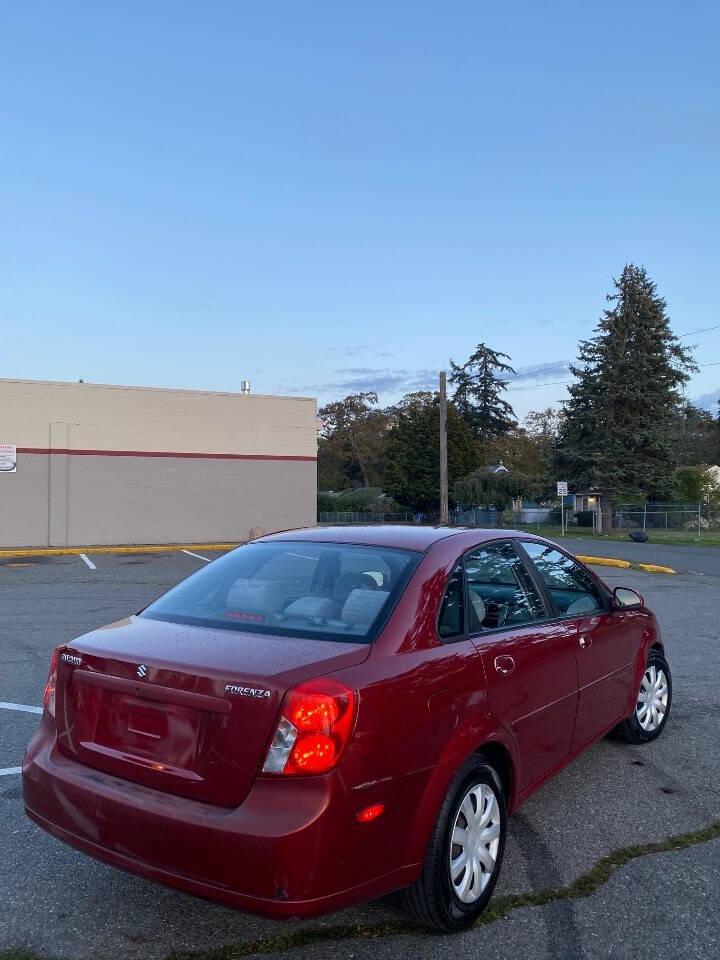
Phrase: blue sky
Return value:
(325, 197)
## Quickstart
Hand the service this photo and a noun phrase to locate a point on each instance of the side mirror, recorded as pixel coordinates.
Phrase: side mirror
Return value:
(624, 598)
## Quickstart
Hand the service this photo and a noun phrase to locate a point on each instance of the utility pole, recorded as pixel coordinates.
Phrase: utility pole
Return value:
(443, 451)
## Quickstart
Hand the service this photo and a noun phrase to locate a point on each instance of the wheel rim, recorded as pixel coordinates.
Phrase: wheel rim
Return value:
(652, 699)
(474, 843)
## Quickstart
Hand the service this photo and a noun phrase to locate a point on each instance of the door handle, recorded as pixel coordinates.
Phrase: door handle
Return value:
(504, 664)
(585, 642)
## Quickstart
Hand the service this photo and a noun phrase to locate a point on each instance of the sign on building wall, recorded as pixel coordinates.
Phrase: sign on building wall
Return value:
(8, 458)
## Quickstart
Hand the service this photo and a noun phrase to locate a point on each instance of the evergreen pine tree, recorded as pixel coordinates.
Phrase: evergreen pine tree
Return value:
(412, 468)
(478, 386)
(618, 429)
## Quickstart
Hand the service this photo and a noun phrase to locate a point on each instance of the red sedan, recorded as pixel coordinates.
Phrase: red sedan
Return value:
(324, 716)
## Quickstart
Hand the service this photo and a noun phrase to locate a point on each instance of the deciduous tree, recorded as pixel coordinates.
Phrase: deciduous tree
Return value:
(352, 441)
(694, 436)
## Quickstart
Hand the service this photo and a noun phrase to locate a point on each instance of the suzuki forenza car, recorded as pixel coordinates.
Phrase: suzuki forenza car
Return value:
(325, 716)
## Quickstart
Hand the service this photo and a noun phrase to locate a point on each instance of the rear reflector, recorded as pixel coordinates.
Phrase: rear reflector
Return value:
(370, 813)
(315, 723)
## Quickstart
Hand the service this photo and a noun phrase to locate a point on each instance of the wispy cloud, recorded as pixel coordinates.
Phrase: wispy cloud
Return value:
(373, 348)
(363, 379)
(392, 382)
(389, 380)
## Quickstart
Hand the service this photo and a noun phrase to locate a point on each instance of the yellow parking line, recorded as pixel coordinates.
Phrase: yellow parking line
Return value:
(136, 548)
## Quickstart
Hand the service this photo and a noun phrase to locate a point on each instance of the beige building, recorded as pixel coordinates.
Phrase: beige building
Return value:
(97, 464)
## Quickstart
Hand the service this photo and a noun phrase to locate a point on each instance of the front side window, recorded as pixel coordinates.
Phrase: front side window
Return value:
(500, 590)
(573, 589)
(318, 590)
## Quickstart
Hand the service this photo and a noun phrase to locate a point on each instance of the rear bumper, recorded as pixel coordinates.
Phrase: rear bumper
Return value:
(288, 851)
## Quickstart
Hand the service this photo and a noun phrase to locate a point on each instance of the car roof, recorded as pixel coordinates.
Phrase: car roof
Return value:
(403, 536)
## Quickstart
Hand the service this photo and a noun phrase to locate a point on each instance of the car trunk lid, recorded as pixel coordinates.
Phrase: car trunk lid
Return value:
(187, 710)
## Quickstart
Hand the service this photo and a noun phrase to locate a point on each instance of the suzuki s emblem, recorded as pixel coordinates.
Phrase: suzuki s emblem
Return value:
(142, 671)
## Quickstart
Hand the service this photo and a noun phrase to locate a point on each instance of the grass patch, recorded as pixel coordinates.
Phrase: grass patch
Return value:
(583, 886)
(687, 538)
(21, 955)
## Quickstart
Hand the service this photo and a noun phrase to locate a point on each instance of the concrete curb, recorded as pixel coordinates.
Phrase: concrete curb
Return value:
(172, 547)
(604, 561)
(656, 568)
(624, 564)
(147, 548)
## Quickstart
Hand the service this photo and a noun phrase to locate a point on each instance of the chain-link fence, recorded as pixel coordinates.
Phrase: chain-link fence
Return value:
(345, 516)
(472, 517)
(666, 521)
(689, 518)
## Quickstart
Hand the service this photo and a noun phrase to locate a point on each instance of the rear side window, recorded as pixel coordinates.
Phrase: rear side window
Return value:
(318, 590)
(500, 590)
(451, 621)
(573, 589)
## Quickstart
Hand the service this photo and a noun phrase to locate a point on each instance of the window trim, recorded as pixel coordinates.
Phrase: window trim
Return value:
(535, 573)
(463, 635)
(553, 614)
(513, 626)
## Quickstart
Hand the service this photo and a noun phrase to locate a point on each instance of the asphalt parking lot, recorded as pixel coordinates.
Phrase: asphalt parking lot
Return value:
(648, 901)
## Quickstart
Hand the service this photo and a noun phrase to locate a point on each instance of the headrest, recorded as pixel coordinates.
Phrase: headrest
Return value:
(314, 608)
(263, 596)
(362, 606)
(478, 606)
(583, 604)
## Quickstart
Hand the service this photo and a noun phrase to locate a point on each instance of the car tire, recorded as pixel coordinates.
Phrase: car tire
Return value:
(652, 709)
(445, 896)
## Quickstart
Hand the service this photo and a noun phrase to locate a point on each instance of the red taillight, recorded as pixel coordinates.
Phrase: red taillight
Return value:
(314, 713)
(49, 696)
(315, 723)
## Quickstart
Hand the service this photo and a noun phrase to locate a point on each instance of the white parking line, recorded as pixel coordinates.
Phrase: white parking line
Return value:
(23, 707)
(6, 771)
(88, 561)
(190, 553)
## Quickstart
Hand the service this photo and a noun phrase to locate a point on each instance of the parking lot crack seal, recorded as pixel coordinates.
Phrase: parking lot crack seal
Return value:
(584, 886)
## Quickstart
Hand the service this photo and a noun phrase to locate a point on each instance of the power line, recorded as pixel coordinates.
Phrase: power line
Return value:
(534, 386)
(701, 330)
(514, 385)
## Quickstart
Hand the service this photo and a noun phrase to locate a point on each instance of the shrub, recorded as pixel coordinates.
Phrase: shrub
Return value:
(363, 500)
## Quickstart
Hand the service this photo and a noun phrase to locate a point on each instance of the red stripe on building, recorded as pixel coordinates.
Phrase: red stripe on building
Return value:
(165, 453)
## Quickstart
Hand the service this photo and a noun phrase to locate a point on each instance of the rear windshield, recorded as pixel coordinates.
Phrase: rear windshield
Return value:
(326, 591)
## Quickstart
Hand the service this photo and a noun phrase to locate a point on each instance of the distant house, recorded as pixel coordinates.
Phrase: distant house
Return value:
(497, 469)
(586, 499)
